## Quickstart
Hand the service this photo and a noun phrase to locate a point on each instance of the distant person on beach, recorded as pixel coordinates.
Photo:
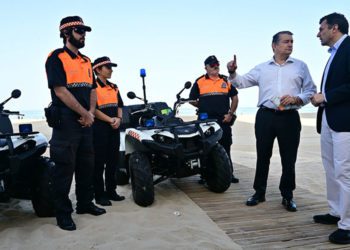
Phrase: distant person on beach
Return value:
(333, 122)
(285, 85)
(72, 85)
(109, 115)
(214, 94)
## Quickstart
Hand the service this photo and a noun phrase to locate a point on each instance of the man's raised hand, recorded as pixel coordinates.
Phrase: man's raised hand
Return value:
(232, 65)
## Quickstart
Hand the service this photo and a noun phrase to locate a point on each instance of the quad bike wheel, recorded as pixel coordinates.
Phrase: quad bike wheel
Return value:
(141, 179)
(218, 171)
(41, 196)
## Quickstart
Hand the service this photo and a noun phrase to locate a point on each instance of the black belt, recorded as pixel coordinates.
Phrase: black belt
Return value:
(278, 111)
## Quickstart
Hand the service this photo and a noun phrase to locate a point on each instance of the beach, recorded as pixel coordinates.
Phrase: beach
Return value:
(174, 221)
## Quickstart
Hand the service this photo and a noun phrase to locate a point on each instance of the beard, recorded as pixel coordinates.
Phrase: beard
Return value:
(76, 43)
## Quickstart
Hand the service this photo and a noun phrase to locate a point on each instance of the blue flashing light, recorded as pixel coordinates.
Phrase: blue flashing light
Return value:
(203, 116)
(142, 72)
(149, 123)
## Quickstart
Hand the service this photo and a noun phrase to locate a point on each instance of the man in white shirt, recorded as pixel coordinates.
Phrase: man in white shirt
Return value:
(333, 122)
(285, 85)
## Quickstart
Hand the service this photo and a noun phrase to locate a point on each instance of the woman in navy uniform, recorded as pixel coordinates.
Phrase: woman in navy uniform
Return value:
(106, 133)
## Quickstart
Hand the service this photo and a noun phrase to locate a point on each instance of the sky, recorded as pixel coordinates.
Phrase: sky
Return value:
(170, 39)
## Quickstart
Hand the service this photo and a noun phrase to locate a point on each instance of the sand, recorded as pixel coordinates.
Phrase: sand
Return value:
(172, 222)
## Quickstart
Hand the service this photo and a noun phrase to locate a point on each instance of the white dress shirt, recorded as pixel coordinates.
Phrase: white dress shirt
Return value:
(275, 80)
(331, 50)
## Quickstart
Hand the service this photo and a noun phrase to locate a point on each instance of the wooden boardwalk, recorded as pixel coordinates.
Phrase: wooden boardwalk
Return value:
(267, 225)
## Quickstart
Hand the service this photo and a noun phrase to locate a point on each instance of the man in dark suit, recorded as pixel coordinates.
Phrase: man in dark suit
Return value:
(333, 122)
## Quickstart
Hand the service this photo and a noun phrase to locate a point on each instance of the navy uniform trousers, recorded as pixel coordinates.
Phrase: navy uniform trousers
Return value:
(71, 149)
(106, 144)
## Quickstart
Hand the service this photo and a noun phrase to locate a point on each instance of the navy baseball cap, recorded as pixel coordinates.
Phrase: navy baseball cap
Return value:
(73, 21)
(211, 60)
(103, 61)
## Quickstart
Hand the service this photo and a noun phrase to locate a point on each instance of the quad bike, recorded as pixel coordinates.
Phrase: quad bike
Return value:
(163, 146)
(24, 172)
(130, 121)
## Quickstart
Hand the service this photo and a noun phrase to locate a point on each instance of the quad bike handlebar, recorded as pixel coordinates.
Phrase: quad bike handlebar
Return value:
(8, 112)
(148, 112)
(15, 94)
(6, 129)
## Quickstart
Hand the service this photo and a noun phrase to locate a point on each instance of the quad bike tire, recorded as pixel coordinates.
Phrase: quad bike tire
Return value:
(218, 171)
(122, 175)
(141, 179)
(41, 193)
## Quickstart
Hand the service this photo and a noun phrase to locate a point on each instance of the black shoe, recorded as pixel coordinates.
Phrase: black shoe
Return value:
(340, 236)
(255, 200)
(234, 179)
(326, 219)
(66, 222)
(91, 209)
(289, 204)
(114, 196)
(103, 201)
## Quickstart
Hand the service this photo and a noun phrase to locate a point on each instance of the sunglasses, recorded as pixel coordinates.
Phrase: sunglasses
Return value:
(79, 30)
(214, 65)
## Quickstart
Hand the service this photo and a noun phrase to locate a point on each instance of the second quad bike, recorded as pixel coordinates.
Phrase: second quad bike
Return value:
(24, 171)
(163, 146)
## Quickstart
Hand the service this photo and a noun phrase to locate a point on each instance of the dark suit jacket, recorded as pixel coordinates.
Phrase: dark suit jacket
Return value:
(337, 91)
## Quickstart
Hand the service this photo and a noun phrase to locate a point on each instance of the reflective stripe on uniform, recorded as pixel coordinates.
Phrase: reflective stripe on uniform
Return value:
(79, 85)
(214, 93)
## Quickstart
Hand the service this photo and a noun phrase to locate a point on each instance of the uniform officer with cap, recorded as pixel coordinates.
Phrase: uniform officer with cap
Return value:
(106, 133)
(72, 85)
(213, 93)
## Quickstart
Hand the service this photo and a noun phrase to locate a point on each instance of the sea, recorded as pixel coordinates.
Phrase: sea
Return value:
(29, 114)
(184, 111)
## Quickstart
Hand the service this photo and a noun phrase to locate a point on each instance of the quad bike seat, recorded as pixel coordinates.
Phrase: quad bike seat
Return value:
(132, 121)
(3, 142)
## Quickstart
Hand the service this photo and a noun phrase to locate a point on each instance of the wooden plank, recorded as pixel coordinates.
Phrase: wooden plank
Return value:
(267, 225)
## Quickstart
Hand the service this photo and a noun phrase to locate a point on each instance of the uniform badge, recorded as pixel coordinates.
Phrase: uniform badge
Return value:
(224, 85)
